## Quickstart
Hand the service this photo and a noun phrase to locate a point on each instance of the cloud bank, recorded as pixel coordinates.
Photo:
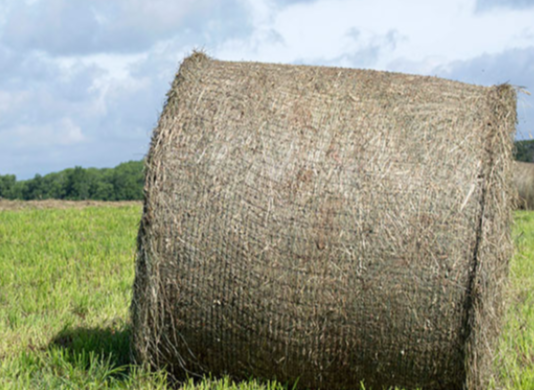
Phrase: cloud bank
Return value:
(83, 82)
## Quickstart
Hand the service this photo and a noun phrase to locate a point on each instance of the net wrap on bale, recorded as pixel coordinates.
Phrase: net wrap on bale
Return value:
(331, 225)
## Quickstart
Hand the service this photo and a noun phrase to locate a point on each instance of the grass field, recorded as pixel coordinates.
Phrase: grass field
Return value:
(65, 288)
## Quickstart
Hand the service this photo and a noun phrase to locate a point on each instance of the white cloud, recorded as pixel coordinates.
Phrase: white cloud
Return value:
(85, 81)
(498, 5)
(436, 31)
(69, 133)
(76, 27)
(64, 132)
(12, 101)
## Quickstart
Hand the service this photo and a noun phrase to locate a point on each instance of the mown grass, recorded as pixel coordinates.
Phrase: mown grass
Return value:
(65, 289)
(516, 355)
(65, 286)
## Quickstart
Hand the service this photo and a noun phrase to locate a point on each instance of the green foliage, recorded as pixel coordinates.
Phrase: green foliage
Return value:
(124, 182)
(78, 183)
(524, 150)
(127, 181)
(7, 186)
(34, 189)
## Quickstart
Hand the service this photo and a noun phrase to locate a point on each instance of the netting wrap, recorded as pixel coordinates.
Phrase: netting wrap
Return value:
(331, 225)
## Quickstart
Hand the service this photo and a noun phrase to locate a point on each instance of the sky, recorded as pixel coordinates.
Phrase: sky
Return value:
(82, 82)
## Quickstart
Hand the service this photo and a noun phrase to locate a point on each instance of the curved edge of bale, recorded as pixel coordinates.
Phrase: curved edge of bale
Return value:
(147, 306)
(485, 304)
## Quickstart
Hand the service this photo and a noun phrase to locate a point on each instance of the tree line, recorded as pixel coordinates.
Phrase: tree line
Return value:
(524, 151)
(124, 182)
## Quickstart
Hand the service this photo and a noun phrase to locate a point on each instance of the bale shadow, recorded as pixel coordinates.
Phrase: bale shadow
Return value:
(110, 344)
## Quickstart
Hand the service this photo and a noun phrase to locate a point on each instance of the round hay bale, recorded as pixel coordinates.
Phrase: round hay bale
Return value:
(523, 174)
(331, 225)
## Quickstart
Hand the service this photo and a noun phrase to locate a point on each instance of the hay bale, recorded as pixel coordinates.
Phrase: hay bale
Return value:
(523, 174)
(332, 225)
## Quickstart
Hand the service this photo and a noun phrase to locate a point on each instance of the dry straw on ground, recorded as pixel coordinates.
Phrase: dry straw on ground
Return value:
(6, 204)
(523, 174)
(332, 225)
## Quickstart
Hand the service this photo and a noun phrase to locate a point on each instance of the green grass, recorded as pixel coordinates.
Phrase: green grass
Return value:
(65, 287)
(65, 290)
(516, 357)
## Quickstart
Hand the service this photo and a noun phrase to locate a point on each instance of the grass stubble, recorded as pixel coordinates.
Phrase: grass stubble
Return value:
(65, 288)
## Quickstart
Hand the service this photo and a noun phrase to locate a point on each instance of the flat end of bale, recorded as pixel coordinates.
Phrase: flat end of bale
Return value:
(489, 272)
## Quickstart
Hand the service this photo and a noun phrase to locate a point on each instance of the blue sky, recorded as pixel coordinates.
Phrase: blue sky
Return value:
(82, 82)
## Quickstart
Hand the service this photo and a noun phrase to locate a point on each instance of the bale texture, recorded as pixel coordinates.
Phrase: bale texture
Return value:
(523, 174)
(331, 225)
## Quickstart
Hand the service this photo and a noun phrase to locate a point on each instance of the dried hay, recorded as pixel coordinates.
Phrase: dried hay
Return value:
(523, 174)
(6, 204)
(332, 225)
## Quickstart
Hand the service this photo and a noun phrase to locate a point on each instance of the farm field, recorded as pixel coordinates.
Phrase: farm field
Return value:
(66, 273)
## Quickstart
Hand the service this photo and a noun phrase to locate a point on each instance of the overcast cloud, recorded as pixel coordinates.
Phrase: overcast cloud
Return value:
(83, 82)
(486, 5)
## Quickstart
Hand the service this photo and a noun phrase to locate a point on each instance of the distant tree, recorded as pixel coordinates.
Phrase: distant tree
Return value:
(128, 180)
(124, 182)
(7, 186)
(77, 185)
(103, 190)
(524, 150)
(18, 190)
(55, 185)
(35, 188)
